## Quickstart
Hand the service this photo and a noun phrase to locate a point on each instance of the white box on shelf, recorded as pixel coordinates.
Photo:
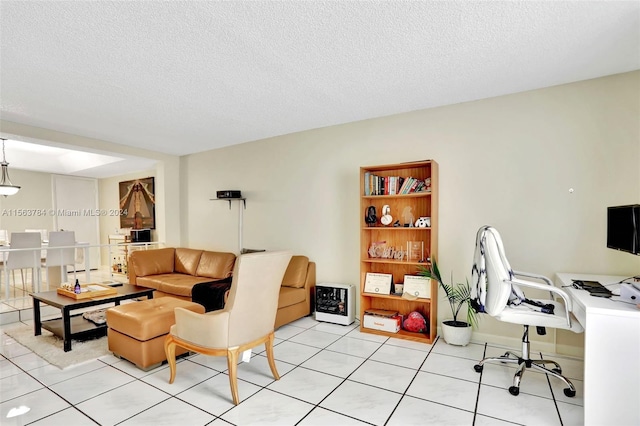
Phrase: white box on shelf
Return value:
(391, 325)
(335, 303)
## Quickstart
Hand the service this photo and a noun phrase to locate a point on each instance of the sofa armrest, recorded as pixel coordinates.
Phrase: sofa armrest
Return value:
(310, 283)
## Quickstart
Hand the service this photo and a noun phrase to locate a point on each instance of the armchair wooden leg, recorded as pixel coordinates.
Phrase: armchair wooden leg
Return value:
(232, 363)
(170, 352)
(268, 345)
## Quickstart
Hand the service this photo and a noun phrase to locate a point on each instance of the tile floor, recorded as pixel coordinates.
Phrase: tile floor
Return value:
(330, 375)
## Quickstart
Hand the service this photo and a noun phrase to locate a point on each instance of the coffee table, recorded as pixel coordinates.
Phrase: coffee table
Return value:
(74, 326)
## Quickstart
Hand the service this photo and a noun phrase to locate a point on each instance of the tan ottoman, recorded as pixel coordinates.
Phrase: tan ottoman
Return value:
(136, 331)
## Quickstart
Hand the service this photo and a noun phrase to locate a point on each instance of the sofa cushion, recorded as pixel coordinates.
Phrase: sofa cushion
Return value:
(216, 265)
(186, 261)
(178, 284)
(296, 272)
(290, 296)
(153, 262)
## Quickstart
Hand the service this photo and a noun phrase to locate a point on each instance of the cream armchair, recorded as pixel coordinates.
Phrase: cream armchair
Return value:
(245, 322)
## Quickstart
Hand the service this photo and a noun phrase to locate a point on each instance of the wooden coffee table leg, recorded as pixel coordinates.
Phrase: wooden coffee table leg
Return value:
(66, 333)
(37, 324)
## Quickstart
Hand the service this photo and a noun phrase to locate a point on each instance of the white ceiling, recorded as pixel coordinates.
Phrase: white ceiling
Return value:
(182, 77)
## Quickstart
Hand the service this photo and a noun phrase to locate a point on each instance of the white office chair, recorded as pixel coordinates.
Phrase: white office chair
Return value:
(499, 295)
(4, 237)
(61, 256)
(25, 259)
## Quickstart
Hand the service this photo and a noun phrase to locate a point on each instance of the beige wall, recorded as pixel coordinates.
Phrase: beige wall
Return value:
(508, 161)
(29, 208)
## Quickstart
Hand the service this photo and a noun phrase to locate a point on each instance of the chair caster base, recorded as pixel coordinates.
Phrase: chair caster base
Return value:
(513, 390)
(478, 368)
(570, 393)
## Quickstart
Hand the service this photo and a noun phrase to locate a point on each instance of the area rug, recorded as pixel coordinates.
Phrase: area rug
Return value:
(50, 347)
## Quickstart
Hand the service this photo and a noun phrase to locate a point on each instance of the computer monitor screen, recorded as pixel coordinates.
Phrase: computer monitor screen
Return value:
(623, 228)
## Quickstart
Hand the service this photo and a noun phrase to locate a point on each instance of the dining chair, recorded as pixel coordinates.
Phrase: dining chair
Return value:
(61, 257)
(25, 259)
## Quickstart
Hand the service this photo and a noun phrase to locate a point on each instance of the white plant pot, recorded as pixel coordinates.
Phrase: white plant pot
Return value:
(454, 335)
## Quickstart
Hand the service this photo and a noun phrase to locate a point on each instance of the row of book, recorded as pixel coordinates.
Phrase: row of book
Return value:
(394, 185)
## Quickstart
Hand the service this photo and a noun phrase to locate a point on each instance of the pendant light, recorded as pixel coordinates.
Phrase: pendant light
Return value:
(6, 187)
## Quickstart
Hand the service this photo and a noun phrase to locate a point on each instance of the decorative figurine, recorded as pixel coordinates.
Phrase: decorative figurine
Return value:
(408, 217)
(423, 222)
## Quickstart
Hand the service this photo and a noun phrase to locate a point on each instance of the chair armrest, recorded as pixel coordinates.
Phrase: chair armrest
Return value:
(568, 306)
(210, 330)
(532, 275)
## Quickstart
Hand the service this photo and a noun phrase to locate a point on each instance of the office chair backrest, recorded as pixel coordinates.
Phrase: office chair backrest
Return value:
(498, 271)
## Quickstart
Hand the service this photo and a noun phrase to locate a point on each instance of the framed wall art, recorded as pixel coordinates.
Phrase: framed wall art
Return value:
(138, 204)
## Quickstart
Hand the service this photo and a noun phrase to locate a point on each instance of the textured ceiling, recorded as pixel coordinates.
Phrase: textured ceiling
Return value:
(184, 77)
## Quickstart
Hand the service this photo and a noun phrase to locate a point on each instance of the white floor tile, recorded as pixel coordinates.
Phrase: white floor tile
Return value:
(312, 337)
(121, 403)
(17, 385)
(218, 363)
(188, 374)
(214, 394)
(288, 331)
(322, 417)
(460, 368)
(70, 416)
(472, 351)
(333, 363)
(86, 386)
(170, 413)
(355, 347)
(8, 368)
(397, 355)
(268, 408)
(490, 421)
(363, 402)
(501, 376)
(334, 328)
(357, 334)
(414, 411)
(305, 322)
(29, 361)
(308, 385)
(50, 374)
(409, 344)
(386, 376)
(293, 353)
(258, 372)
(572, 415)
(41, 403)
(524, 409)
(444, 390)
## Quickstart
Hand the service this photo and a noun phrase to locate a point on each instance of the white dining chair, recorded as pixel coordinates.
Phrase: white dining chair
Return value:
(61, 257)
(25, 259)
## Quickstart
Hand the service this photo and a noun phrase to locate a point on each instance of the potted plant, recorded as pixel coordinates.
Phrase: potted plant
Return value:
(454, 331)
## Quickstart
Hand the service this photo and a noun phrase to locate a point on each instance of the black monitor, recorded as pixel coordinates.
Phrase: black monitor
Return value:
(623, 228)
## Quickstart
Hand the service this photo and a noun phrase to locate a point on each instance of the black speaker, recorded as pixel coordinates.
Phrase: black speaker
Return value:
(228, 194)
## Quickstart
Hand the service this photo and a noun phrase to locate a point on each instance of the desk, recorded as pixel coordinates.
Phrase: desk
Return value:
(611, 352)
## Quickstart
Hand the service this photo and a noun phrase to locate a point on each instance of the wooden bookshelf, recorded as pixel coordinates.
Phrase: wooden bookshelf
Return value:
(421, 204)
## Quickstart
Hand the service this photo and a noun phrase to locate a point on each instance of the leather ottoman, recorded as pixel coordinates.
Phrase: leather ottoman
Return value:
(136, 331)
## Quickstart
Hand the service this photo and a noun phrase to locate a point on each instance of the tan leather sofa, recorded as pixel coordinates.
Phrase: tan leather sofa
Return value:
(174, 272)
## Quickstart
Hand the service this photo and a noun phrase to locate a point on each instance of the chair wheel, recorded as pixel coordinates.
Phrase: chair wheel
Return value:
(478, 368)
(570, 393)
(514, 390)
(557, 370)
